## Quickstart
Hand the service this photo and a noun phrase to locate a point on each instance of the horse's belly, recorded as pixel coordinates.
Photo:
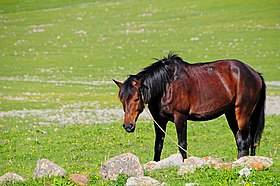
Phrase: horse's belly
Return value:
(209, 111)
(204, 117)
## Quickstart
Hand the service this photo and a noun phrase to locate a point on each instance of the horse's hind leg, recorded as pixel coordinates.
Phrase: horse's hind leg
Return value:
(243, 141)
(240, 126)
(253, 150)
(231, 118)
(243, 135)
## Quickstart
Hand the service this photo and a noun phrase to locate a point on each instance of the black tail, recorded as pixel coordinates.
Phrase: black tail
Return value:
(258, 119)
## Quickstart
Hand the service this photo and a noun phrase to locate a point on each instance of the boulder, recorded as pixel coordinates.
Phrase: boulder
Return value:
(46, 168)
(10, 177)
(141, 181)
(195, 161)
(127, 164)
(192, 163)
(222, 166)
(256, 162)
(186, 168)
(212, 161)
(79, 179)
(173, 160)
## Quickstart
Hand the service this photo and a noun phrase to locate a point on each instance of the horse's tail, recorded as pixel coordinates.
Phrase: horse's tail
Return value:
(258, 118)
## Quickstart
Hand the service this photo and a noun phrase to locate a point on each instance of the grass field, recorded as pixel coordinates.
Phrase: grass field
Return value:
(57, 100)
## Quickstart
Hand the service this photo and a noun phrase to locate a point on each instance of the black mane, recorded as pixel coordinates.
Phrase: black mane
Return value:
(154, 79)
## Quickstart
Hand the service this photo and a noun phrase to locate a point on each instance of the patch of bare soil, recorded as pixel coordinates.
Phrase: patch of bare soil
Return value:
(272, 105)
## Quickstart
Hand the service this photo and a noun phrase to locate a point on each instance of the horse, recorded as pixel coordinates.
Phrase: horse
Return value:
(177, 91)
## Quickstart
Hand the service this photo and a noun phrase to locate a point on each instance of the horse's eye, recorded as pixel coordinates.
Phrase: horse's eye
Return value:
(137, 99)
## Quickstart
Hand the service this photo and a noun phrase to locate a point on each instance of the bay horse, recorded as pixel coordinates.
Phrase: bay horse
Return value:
(178, 91)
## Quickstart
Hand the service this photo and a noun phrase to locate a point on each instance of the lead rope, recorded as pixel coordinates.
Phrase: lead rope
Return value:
(145, 107)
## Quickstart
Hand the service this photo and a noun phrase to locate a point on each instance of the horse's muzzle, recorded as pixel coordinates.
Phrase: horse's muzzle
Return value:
(129, 127)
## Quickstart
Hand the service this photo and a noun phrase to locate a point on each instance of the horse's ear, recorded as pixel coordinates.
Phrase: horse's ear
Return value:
(137, 83)
(119, 84)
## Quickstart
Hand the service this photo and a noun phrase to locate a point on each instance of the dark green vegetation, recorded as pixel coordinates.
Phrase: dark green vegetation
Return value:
(57, 59)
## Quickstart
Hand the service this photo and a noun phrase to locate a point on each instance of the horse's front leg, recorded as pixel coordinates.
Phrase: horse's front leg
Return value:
(160, 134)
(181, 129)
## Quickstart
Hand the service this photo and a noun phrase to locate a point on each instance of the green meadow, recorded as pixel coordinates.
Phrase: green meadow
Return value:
(58, 101)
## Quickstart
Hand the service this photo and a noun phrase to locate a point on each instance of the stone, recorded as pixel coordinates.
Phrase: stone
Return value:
(47, 168)
(246, 171)
(10, 177)
(257, 162)
(222, 166)
(186, 168)
(212, 161)
(79, 179)
(192, 163)
(257, 166)
(142, 181)
(191, 184)
(195, 161)
(127, 164)
(150, 166)
(173, 160)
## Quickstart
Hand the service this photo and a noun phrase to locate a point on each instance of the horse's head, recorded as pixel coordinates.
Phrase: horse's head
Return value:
(131, 98)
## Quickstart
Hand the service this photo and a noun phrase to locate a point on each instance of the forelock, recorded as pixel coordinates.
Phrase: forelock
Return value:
(127, 89)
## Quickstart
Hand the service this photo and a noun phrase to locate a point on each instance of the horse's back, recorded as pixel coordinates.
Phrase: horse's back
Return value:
(212, 88)
(227, 71)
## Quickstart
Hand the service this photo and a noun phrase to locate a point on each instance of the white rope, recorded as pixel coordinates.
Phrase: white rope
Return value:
(165, 132)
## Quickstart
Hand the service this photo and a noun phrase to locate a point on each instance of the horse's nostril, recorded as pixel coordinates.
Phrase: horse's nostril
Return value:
(129, 127)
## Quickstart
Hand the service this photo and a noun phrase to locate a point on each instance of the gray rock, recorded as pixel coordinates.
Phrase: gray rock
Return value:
(192, 163)
(191, 184)
(221, 166)
(142, 181)
(127, 164)
(186, 168)
(257, 162)
(195, 161)
(10, 177)
(246, 171)
(173, 160)
(47, 168)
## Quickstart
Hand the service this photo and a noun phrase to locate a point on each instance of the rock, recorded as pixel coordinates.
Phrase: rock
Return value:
(212, 161)
(189, 165)
(186, 168)
(257, 162)
(222, 166)
(150, 166)
(246, 171)
(173, 160)
(195, 161)
(127, 164)
(141, 181)
(192, 163)
(191, 184)
(256, 166)
(45, 167)
(10, 177)
(79, 179)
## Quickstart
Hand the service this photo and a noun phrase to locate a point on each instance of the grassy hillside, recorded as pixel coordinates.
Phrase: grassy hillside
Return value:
(57, 60)
(105, 38)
